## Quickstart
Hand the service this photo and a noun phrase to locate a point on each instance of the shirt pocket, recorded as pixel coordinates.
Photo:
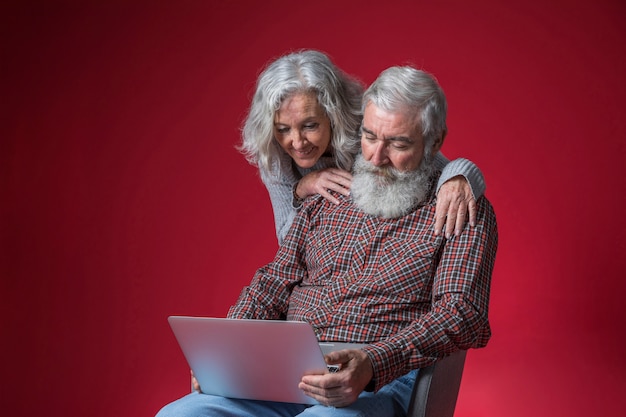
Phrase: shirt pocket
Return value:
(321, 252)
(406, 269)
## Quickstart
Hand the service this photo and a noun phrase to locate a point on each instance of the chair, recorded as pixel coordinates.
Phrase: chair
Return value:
(437, 387)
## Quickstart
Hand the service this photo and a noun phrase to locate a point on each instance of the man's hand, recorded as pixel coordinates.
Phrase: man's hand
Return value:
(342, 388)
(320, 182)
(194, 383)
(454, 201)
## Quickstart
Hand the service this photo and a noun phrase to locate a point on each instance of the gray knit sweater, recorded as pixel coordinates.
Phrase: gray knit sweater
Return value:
(279, 184)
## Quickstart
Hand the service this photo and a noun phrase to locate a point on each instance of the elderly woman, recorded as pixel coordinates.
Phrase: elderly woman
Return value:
(302, 131)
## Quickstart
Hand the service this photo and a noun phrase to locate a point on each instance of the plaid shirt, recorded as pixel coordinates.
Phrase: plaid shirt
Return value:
(412, 296)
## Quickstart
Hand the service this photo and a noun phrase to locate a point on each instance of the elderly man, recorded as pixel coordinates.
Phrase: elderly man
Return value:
(371, 269)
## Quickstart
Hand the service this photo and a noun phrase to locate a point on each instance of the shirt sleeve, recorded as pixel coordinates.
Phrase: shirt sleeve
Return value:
(267, 296)
(464, 167)
(458, 317)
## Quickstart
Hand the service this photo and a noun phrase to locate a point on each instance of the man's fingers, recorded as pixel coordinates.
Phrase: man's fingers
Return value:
(331, 395)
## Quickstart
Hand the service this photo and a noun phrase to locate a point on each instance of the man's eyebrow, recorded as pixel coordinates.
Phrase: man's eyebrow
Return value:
(366, 130)
(404, 139)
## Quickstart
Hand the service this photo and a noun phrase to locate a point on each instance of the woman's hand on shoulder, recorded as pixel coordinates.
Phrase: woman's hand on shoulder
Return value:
(454, 201)
(323, 181)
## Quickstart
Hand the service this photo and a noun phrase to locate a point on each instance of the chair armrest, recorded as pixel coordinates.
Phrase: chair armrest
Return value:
(437, 387)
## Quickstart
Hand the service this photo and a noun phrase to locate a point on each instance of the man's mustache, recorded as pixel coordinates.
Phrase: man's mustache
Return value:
(385, 172)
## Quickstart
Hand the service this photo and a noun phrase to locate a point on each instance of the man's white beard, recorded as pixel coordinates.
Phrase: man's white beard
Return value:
(387, 192)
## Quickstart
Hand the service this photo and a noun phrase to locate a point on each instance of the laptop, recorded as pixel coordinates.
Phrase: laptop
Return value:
(252, 359)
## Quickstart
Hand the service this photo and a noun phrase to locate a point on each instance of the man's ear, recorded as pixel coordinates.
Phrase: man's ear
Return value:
(439, 141)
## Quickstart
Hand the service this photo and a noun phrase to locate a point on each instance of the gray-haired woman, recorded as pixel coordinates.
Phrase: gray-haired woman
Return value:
(302, 131)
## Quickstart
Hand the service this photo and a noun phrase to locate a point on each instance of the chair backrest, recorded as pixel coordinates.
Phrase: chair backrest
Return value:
(437, 387)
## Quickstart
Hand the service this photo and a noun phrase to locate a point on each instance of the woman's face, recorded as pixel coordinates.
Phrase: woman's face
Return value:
(302, 128)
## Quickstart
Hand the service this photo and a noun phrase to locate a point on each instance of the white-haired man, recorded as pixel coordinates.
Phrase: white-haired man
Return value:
(371, 269)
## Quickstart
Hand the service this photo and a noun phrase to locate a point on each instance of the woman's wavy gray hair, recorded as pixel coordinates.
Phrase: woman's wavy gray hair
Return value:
(404, 87)
(304, 71)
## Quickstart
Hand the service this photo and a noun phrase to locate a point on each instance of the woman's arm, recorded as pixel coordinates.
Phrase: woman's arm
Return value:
(284, 206)
(461, 183)
(288, 186)
(465, 168)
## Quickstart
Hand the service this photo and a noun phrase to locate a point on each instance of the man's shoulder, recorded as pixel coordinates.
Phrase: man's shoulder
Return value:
(484, 211)
(483, 203)
(318, 205)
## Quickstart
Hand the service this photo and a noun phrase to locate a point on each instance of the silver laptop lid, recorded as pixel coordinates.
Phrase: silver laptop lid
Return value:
(251, 359)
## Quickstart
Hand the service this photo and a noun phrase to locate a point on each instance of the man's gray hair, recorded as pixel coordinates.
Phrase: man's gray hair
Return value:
(405, 88)
(302, 72)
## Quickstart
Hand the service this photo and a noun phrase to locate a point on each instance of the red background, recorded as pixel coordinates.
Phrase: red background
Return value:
(124, 201)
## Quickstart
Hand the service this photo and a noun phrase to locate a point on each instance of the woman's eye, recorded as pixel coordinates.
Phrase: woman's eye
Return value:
(311, 126)
(282, 130)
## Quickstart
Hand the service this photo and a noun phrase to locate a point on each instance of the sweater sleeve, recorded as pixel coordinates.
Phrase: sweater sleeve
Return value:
(280, 182)
(464, 167)
(280, 189)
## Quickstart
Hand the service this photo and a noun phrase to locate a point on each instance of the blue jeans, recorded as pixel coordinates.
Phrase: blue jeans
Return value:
(392, 400)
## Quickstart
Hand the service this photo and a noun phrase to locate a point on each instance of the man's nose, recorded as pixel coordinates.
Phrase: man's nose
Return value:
(379, 157)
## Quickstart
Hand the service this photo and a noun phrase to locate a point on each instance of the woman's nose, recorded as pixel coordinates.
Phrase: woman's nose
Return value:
(298, 140)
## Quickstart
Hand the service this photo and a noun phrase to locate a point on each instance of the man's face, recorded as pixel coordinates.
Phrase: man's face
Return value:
(391, 140)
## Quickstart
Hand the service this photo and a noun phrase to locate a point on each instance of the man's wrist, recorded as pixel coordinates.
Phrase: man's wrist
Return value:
(371, 386)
